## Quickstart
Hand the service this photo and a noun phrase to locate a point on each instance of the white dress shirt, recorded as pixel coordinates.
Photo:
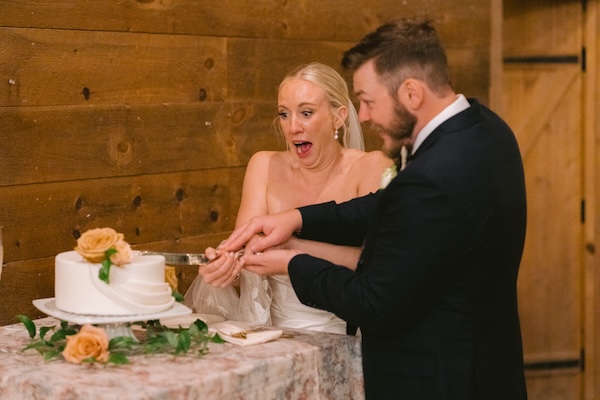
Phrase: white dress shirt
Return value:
(459, 105)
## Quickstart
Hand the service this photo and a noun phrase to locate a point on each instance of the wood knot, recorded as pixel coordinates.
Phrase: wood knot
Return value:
(123, 147)
(239, 116)
(137, 201)
(203, 94)
(590, 248)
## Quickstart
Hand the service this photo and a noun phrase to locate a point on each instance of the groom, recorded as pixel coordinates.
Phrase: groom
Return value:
(434, 293)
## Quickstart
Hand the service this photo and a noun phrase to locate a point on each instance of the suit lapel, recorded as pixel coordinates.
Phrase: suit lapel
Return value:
(460, 121)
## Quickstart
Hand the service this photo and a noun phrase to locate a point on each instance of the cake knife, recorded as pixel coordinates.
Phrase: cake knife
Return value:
(184, 258)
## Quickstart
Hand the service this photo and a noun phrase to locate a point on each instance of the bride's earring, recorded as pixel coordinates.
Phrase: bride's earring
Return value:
(336, 136)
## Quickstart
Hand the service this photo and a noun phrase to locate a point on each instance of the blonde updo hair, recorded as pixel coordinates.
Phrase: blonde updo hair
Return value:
(336, 89)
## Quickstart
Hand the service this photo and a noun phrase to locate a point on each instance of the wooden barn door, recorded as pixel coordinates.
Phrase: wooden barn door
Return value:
(543, 103)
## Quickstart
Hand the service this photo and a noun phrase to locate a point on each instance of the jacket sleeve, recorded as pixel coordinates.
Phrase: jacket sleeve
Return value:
(344, 224)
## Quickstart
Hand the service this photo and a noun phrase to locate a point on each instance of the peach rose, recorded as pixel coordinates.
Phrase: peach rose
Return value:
(123, 254)
(94, 242)
(89, 342)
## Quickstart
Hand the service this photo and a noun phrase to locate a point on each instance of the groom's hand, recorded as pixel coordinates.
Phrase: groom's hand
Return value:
(271, 262)
(276, 230)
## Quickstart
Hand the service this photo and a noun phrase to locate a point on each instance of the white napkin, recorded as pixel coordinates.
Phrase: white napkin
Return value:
(227, 328)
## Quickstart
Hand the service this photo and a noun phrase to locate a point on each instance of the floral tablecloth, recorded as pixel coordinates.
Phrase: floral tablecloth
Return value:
(308, 365)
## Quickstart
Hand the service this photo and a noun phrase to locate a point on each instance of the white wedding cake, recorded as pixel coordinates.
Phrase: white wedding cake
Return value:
(134, 284)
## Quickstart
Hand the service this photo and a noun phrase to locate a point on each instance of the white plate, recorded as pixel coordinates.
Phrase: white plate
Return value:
(187, 320)
(48, 306)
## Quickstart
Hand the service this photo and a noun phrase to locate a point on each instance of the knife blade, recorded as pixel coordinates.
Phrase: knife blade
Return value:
(179, 258)
(184, 258)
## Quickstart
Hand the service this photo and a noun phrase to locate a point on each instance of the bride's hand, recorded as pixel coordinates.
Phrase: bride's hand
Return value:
(222, 269)
(270, 262)
(289, 244)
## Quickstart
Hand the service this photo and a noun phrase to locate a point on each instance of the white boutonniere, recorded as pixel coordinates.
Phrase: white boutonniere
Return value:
(387, 176)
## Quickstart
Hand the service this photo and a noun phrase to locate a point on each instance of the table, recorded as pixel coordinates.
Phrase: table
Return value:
(309, 365)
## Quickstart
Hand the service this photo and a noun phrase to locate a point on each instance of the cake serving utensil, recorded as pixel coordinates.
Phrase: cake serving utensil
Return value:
(184, 258)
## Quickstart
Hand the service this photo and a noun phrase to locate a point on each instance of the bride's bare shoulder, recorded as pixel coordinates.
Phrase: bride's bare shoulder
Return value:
(370, 160)
(264, 163)
(367, 170)
(261, 159)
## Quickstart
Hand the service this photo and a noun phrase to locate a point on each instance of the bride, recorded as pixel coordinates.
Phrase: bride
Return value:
(325, 161)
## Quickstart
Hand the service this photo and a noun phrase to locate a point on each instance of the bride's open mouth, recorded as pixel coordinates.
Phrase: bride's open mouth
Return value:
(303, 147)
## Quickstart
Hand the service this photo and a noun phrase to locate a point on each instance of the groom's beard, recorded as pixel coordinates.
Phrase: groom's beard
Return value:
(400, 131)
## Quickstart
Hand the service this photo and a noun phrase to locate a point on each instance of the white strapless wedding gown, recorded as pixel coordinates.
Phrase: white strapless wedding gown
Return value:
(288, 312)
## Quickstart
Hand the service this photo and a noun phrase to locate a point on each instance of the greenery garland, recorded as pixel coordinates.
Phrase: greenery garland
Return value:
(52, 341)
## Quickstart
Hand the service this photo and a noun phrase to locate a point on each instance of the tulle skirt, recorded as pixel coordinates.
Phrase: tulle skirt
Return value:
(252, 304)
(261, 301)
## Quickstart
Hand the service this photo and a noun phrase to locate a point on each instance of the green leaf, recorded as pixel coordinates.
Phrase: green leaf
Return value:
(122, 342)
(28, 324)
(104, 272)
(105, 269)
(61, 334)
(49, 355)
(217, 339)
(171, 338)
(183, 343)
(201, 325)
(178, 296)
(44, 330)
(118, 358)
(193, 330)
(36, 345)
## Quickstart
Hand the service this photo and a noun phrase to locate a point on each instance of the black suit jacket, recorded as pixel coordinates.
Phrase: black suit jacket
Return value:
(434, 293)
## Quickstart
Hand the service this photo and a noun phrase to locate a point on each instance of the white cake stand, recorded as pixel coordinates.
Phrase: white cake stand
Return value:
(115, 325)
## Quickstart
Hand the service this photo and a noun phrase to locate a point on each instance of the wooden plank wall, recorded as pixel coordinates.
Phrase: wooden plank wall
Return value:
(141, 115)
